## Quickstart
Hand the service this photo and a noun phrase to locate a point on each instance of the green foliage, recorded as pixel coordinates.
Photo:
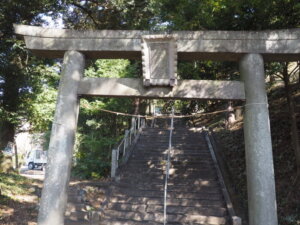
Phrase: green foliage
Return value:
(93, 156)
(19, 76)
(99, 131)
(13, 184)
(116, 14)
(40, 101)
(113, 68)
(208, 70)
(230, 14)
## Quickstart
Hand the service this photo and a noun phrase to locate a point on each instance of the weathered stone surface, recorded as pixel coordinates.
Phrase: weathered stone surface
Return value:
(191, 45)
(185, 89)
(159, 57)
(258, 145)
(54, 194)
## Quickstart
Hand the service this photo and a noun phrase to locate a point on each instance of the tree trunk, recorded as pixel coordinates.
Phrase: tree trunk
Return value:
(7, 133)
(292, 115)
(16, 155)
(272, 79)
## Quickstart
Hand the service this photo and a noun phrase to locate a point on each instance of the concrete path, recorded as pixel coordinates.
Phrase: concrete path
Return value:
(32, 174)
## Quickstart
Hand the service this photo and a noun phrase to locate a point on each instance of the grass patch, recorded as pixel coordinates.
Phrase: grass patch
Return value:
(18, 199)
(12, 184)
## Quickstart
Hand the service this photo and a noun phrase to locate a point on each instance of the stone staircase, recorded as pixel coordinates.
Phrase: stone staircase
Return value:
(194, 191)
(84, 199)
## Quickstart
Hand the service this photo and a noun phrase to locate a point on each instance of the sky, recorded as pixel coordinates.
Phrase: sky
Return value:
(57, 23)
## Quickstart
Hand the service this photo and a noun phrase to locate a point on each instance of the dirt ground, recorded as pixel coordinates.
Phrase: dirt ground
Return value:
(19, 206)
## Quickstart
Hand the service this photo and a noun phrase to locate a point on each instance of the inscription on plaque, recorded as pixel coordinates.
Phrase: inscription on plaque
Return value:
(159, 60)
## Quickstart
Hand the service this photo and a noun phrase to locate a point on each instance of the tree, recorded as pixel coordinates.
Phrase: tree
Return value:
(230, 14)
(115, 14)
(286, 71)
(17, 65)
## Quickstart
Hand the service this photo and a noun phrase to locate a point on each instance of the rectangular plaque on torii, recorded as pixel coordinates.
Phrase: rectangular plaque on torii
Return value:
(159, 57)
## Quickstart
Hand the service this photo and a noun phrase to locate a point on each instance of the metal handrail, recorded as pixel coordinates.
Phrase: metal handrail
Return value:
(235, 220)
(120, 152)
(168, 167)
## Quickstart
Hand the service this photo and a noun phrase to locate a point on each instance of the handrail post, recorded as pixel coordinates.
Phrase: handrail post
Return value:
(133, 125)
(114, 163)
(135, 121)
(130, 133)
(143, 122)
(139, 122)
(132, 122)
(118, 154)
(125, 141)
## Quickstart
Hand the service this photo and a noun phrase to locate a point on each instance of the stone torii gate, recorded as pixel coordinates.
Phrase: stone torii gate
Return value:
(159, 54)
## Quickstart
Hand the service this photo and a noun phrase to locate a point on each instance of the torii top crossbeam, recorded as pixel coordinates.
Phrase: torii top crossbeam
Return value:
(275, 45)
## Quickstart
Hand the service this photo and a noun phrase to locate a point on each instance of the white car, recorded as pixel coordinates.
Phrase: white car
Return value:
(36, 158)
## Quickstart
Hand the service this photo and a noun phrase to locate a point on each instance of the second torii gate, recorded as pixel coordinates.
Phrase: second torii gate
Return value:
(159, 54)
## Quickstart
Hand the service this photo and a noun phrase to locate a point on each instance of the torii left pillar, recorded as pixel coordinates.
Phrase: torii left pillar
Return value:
(54, 195)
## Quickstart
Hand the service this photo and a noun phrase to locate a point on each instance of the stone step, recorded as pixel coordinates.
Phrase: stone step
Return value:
(174, 143)
(78, 215)
(83, 215)
(175, 133)
(172, 177)
(163, 148)
(172, 171)
(142, 165)
(76, 222)
(175, 130)
(211, 211)
(156, 151)
(173, 152)
(209, 187)
(171, 180)
(196, 182)
(164, 151)
(183, 158)
(158, 194)
(165, 141)
(73, 207)
(156, 169)
(126, 222)
(160, 149)
(159, 217)
(175, 138)
(173, 160)
(139, 167)
(171, 202)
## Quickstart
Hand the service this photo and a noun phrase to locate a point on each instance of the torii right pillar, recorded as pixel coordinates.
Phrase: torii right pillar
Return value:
(258, 145)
